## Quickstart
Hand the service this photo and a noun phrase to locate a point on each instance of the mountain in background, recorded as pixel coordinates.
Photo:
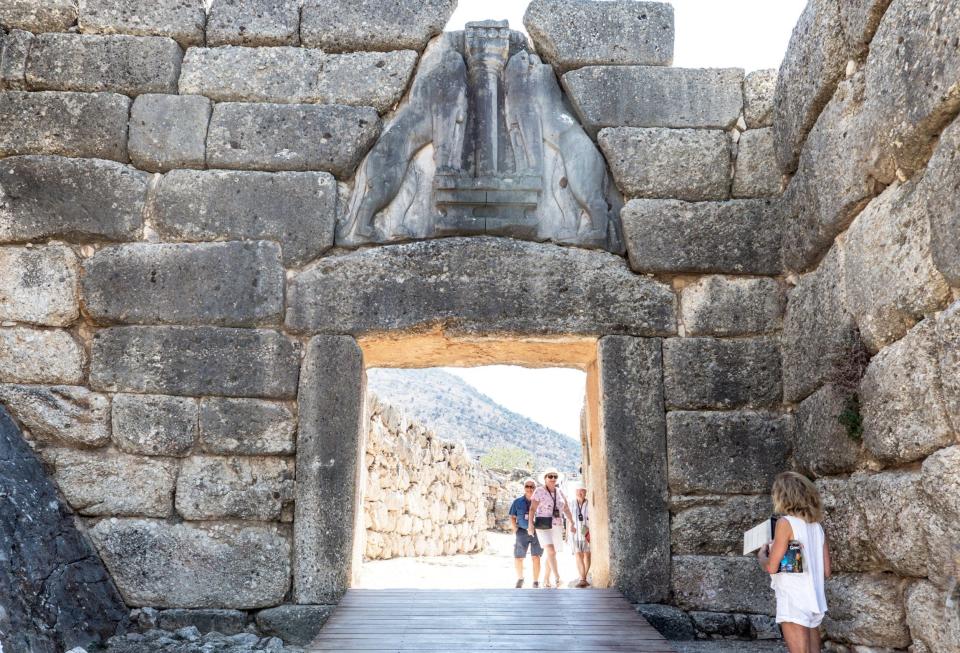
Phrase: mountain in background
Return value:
(455, 410)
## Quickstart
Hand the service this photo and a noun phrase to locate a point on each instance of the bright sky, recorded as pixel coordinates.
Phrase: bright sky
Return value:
(748, 34)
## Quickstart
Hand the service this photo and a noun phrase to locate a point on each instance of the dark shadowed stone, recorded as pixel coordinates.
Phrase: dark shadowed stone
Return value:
(737, 237)
(154, 425)
(714, 373)
(181, 20)
(247, 488)
(631, 372)
(253, 22)
(33, 16)
(573, 33)
(80, 199)
(246, 426)
(726, 452)
(758, 88)
(654, 96)
(331, 408)
(722, 584)
(338, 26)
(195, 361)
(297, 209)
(867, 609)
(227, 622)
(290, 136)
(214, 565)
(821, 443)
(732, 306)
(168, 131)
(46, 561)
(71, 124)
(230, 284)
(714, 525)
(69, 414)
(14, 48)
(673, 623)
(294, 624)
(721, 624)
(500, 285)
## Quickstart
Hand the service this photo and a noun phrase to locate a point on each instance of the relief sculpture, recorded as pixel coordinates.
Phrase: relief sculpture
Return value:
(484, 144)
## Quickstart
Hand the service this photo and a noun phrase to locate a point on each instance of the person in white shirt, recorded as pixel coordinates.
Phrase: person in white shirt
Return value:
(580, 530)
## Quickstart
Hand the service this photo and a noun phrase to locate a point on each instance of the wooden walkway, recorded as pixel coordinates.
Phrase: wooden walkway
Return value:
(474, 621)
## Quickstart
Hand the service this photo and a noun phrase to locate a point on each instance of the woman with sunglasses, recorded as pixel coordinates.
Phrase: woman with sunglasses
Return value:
(547, 505)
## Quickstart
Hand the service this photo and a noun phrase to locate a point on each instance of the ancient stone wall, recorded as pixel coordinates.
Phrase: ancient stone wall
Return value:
(422, 495)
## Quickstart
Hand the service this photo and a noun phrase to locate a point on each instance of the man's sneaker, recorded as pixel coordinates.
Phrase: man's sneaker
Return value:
(519, 583)
(536, 584)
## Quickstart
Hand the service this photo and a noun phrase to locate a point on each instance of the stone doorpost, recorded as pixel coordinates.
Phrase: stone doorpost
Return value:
(331, 404)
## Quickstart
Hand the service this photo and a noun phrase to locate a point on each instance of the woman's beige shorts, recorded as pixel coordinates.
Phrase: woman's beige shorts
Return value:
(554, 537)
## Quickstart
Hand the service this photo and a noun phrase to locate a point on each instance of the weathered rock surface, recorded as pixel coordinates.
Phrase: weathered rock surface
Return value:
(940, 480)
(71, 124)
(294, 624)
(758, 90)
(821, 443)
(66, 414)
(731, 306)
(168, 131)
(526, 288)
(40, 356)
(866, 609)
(860, 20)
(231, 284)
(715, 373)
(332, 138)
(943, 206)
(234, 488)
(747, 450)
(933, 626)
(47, 16)
(673, 623)
(57, 197)
(253, 22)
(285, 74)
(39, 285)
(246, 426)
(190, 566)
(902, 400)
(154, 425)
(227, 622)
(336, 26)
(195, 361)
(739, 237)
(653, 96)
(47, 561)
(181, 20)
(714, 525)
(721, 624)
(14, 48)
(687, 164)
(756, 172)
(948, 351)
(573, 33)
(297, 209)
(721, 584)
(92, 63)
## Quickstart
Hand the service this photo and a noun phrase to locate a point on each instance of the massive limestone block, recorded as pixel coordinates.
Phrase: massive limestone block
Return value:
(731, 306)
(739, 237)
(940, 480)
(902, 399)
(46, 561)
(234, 488)
(290, 136)
(758, 89)
(818, 330)
(337, 26)
(231, 284)
(652, 96)
(948, 352)
(71, 124)
(714, 525)
(40, 356)
(47, 16)
(478, 285)
(181, 20)
(246, 426)
(45, 197)
(815, 61)
(756, 172)
(168, 131)
(943, 206)
(634, 442)
(715, 373)
(155, 425)
(238, 74)
(298, 625)
(866, 609)
(195, 361)
(92, 63)
(297, 209)
(726, 451)
(14, 48)
(574, 33)
(190, 566)
(822, 444)
(852, 548)
(890, 279)
(65, 414)
(687, 164)
(721, 584)
(253, 22)
(98, 483)
(39, 285)
(933, 626)
(860, 19)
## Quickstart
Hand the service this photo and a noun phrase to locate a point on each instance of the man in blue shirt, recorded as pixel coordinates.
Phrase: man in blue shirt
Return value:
(519, 510)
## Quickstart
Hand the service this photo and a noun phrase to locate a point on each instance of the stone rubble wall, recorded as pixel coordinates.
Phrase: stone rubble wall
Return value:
(500, 491)
(422, 496)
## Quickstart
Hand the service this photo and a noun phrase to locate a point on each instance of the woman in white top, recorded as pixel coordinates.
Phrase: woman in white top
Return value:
(580, 528)
(798, 560)
(547, 508)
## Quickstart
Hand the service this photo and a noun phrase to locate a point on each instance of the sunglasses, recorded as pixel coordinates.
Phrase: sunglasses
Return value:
(529, 487)
(551, 476)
